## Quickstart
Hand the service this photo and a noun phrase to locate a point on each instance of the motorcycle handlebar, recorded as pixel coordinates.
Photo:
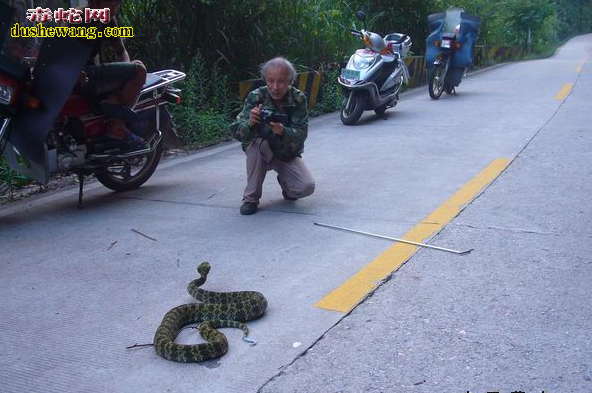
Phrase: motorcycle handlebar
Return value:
(356, 32)
(402, 39)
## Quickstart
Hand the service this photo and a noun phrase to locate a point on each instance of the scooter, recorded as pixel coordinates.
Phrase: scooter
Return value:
(46, 127)
(374, 75)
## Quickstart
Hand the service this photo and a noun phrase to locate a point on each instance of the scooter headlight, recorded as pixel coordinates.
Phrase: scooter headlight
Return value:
(361, 62)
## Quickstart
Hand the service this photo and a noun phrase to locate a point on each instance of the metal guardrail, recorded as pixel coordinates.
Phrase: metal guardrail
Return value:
(484, 55)
(307, 82)
(310, 82)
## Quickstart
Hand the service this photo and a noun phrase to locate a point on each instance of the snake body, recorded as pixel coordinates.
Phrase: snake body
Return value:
(218, 309)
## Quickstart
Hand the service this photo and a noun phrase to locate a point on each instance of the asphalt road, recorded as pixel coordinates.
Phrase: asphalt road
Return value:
(79, 286)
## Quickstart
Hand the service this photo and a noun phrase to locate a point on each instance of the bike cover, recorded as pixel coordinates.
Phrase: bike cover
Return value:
(445, 22)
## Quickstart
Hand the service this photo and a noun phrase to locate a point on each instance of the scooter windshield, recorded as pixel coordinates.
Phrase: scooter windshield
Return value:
(452, 19)
(55, 72)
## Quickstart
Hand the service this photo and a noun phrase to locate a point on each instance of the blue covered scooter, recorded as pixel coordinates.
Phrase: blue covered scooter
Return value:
(450, 49)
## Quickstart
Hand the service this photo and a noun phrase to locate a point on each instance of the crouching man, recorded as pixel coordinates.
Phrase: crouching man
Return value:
(272, 127)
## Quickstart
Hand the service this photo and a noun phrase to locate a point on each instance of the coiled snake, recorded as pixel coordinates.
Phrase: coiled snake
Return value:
(219, 309)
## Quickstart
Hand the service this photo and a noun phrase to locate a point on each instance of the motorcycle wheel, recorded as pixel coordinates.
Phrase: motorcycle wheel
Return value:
(436, 82)
(130, 173)
(350, 115)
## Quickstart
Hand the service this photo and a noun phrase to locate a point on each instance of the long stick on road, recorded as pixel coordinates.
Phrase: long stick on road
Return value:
(395, 239)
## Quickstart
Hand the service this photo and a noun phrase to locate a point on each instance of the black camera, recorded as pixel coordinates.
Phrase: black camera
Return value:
(268, 116)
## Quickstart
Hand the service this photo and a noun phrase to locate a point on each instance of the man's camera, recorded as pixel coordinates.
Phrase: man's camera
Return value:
(268, 116)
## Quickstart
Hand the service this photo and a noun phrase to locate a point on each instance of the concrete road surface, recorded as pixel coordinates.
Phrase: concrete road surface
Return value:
(513, 151)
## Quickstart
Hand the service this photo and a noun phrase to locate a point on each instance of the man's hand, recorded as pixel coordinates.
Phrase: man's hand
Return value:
(277, 128)
(255, 115)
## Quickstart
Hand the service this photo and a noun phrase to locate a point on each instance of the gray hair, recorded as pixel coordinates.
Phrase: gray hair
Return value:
(279, 62)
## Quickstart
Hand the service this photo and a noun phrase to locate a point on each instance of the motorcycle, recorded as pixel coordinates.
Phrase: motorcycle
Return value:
(449, 49)
(374, 75)
(48, 127)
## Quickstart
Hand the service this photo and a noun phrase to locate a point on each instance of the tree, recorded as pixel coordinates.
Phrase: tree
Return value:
(528, 17)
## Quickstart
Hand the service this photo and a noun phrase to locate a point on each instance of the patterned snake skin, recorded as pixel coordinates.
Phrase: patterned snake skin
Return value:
(219, 309)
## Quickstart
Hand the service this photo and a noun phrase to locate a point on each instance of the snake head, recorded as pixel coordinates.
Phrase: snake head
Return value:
(204, 268)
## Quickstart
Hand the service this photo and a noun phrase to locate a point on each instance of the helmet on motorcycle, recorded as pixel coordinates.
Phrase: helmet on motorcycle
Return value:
(377, 42)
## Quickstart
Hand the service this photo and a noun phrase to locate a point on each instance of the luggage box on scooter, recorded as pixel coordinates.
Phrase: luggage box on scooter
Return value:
(403, 48)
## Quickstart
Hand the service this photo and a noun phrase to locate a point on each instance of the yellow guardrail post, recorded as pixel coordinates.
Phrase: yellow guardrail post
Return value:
(310, 82)
(244, 88)
(314, 92)
(410, 66)
(416, 66)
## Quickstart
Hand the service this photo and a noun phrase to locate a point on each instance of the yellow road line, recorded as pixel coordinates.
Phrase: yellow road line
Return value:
(346, 296)
(564, 92)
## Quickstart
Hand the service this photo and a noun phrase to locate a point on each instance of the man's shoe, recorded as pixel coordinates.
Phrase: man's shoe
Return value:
(248, 208)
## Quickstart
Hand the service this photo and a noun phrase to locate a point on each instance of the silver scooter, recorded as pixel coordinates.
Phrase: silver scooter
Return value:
(374, 75)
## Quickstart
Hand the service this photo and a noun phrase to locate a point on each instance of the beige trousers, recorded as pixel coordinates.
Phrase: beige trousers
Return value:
(293, 176)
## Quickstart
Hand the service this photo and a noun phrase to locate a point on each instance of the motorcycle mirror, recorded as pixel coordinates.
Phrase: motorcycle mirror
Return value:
(361, 16)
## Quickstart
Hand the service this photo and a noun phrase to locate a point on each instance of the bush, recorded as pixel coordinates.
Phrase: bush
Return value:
(204, 115)
(208, 127)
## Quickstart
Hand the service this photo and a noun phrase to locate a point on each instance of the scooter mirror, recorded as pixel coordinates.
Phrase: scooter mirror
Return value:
(361, 16)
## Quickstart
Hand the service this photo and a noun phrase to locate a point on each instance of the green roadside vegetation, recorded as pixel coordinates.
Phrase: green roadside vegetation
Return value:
(220, 42)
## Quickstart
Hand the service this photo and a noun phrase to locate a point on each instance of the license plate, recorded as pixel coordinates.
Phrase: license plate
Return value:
(445, 43)
(352, 75)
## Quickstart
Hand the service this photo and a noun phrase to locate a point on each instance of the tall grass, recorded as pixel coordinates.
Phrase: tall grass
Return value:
(205, 113)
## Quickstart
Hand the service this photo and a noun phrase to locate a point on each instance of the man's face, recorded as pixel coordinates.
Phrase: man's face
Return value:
(278, 82)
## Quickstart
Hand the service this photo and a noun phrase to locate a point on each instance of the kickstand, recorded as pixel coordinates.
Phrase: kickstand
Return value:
(80, 187)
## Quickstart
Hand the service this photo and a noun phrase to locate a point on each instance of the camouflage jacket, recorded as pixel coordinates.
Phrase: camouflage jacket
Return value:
(285, 147)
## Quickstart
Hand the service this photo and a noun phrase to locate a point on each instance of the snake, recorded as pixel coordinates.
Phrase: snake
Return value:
(216, 310)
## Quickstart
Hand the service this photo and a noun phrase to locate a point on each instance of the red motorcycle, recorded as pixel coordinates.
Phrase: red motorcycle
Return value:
(47, 127)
